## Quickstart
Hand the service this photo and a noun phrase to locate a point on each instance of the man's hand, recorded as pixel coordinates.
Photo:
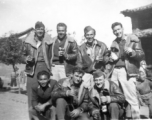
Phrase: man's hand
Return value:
(70, 93)
(128, 50)
(61, 53)
(96, 114)
(75, 113)
(29, 58)
(40, 107)
(103, 99)
(114, 56)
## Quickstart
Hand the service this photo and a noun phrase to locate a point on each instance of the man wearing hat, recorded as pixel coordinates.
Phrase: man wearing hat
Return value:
(36, 55)
(63, 53)
(106, 98)
(41, 97)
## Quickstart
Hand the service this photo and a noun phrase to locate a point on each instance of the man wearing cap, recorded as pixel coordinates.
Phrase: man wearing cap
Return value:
(66, 99)
(36, 55)
(106, 98)
(63, 53)
(126, 54)
(41, 97)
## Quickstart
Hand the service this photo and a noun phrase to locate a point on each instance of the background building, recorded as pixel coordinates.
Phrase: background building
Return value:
(142, 26)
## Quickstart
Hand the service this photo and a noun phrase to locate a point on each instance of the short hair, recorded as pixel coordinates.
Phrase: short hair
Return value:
(98, 73)
(78, 69)
(116, 24)
(43, 72)
(62, 25)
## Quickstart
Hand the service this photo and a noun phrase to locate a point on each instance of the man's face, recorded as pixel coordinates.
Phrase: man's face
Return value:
(61, 30)
(43, 80)
(39, 32)
(99, 82)
(142, 75)
(118, 31)
(90, 36)
(77, 78)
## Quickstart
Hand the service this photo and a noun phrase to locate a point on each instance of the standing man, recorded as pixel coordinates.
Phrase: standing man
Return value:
(64, 53)
(92, 55)
(36, 55)
(126, 54)
(66, 99)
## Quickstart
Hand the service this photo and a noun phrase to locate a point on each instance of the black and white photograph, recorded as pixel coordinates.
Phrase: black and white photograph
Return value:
(75, 59)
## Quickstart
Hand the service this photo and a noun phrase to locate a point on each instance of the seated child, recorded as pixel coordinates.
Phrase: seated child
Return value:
(144, 86)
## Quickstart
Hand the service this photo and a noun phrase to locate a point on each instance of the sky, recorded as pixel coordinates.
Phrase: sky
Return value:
(19, 15)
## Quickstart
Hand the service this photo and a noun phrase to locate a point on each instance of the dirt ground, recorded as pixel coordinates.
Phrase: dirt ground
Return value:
(13, 106)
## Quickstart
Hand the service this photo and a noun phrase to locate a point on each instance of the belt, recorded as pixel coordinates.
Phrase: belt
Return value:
(119, 67)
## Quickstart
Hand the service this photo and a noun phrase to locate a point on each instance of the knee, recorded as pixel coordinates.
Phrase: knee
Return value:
(113, 106)
(32, 111)
(60, 101)
(83, 116)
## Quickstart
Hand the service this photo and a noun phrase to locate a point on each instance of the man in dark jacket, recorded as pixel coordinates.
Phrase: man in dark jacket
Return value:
(126, 54)
(41, 97)
(92, 56)
(64, 53)
(68, 99)
(106, 98)
(36, 55)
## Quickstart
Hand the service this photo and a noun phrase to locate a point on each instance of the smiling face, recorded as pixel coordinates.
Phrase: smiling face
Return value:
(118, 31)
(90, 36)
(61, 30)
(43, 80)
(142, 76)
(39, 32)
(99, 82)
(77, 78)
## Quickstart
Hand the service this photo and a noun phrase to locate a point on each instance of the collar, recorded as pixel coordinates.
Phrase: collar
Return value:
(71, 82)
(123, 38)
(40, 86)
(63, 39)
(95, 92)
(30, 39)
(94, 44)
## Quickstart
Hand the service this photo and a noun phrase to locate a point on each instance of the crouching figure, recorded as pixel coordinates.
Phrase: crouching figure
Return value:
(70, 102)
(106, 99)
(42, 106)
(144, 87)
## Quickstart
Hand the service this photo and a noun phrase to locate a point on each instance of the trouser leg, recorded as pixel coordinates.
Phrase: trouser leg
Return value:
(150, 107)
(53, 113)
(33, 113)
(129, 89)
(61, 108)
(114, 111)
(114, 76)
(83, 116)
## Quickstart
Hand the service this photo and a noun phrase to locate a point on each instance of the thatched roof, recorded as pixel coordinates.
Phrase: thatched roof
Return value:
(143, 33)
(139, 10)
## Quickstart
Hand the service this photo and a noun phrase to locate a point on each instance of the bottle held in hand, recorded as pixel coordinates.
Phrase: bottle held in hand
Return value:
(61, 51)
(30, 60)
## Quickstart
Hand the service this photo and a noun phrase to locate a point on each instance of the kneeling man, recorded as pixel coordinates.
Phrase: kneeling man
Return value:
(41, 97)
(69, 100)
(106, 98)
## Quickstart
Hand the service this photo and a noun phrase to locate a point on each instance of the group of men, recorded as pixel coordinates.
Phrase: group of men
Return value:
(82, 82)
